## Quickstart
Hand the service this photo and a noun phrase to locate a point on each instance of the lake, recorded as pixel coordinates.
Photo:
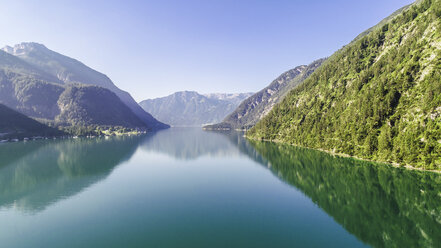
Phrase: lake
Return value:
(191, 188)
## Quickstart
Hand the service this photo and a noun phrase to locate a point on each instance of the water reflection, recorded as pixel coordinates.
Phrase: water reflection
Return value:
(380, 205)
(35, 174)
(192, 143)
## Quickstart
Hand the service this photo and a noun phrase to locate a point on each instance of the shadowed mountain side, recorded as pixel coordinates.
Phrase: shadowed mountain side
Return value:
(68, 70)
(49, 171)
(189, 145)
(16, 125)
(380, 205)
(87, 105)
(32, 92)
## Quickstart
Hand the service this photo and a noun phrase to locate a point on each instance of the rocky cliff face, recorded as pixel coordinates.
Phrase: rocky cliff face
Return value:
(254, 108)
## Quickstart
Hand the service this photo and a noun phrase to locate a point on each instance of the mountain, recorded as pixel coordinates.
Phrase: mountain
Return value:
(67, 70)
(39, 95)
(83, 105)
(234, 98)
(378, 98)
(189, 108)
(16, 125)
(254, 108)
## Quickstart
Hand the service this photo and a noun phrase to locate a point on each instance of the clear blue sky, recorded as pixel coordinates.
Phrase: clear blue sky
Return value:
(154, 48)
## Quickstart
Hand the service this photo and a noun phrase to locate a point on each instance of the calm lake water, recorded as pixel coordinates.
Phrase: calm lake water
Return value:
(190, 188)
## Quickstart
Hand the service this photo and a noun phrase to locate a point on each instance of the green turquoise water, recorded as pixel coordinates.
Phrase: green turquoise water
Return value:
(190, 188)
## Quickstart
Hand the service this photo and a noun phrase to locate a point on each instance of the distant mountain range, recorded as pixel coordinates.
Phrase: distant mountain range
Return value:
(234, 98)
(189, 108)
(16, 125)
(53, 88)
(254, 108)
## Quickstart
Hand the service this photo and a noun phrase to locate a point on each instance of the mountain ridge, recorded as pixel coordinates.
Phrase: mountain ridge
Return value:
(39, 95)
(254, 108)
(189, 108)
(69, 70)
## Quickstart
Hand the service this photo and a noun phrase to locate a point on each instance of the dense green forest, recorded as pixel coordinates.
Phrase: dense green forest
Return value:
(380, 205)
(378, 98)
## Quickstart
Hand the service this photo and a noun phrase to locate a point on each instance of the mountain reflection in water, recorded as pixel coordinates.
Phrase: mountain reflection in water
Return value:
(36, 174)
(381, 205)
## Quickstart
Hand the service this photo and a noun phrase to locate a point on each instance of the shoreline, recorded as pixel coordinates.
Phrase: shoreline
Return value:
(35, 138)
(343, 155)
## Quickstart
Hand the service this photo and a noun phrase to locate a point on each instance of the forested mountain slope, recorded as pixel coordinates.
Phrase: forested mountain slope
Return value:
(254, 108)
(378, 98)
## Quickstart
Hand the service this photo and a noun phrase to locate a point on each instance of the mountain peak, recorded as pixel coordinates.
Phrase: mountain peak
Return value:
(186, 92)
(189, 108)
(68, 70)
(23, 47)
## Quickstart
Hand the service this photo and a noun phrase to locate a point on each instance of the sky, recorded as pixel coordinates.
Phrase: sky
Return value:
(155, 48)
